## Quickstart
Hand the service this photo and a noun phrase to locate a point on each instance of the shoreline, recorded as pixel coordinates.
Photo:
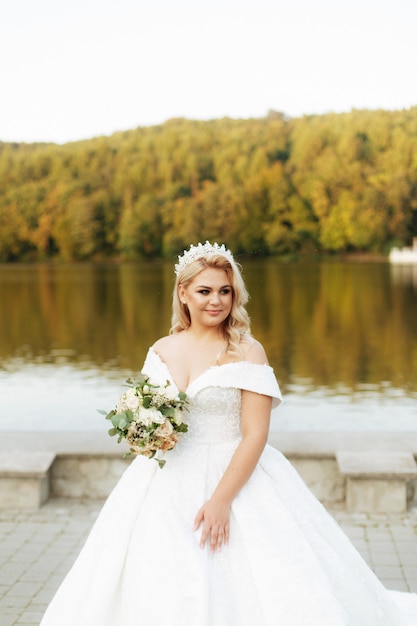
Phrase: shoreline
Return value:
(354, 257)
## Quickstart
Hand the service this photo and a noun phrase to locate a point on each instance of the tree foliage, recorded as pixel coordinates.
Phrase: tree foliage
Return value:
(329, 183)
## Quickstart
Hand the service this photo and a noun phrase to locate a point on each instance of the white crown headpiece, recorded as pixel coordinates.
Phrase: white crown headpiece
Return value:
(199, 251)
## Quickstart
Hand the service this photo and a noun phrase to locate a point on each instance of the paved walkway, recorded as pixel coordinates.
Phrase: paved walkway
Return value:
(38, 547)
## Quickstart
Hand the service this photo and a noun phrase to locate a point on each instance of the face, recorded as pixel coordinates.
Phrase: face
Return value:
(209, 297)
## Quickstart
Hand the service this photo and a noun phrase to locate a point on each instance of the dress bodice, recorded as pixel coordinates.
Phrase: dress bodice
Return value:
(214, 415)
(215, 397)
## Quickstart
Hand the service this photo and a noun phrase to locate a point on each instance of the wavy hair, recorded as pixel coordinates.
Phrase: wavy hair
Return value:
(237, 325)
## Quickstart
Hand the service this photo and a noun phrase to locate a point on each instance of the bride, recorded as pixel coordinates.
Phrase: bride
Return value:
(226, 534)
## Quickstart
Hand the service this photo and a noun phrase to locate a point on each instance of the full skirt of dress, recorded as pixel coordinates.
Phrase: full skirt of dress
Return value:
(287, 564)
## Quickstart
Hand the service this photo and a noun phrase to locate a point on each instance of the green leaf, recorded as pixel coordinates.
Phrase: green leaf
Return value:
(122, 424)
(147, 402)
(125, 417)
(182, 396)
(113, 432)
(115, 419)
(167, 411)
(128, 415)
(102, 412)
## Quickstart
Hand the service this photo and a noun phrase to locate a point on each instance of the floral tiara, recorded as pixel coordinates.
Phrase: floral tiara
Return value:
(199, 251)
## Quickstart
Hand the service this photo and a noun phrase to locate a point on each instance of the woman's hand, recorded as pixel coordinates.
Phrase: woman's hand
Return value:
(215, 517)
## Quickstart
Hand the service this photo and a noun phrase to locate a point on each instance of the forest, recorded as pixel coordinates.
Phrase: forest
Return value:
(320, 184)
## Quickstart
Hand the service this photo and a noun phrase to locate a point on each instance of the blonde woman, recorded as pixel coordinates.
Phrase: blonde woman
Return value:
(226, 534)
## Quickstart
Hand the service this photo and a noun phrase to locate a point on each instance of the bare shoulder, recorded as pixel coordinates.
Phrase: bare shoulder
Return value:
(161, 343)
(166, 346)
(254, 351)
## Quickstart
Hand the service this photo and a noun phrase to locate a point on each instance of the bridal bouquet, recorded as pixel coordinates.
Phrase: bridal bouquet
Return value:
(149, 417)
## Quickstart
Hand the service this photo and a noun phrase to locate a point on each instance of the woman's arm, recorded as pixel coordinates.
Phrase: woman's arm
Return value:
(215, 513)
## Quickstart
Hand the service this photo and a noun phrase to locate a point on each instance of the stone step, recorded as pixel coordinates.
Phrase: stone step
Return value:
(24, 478)
(376, 481)
(88, 467)
(28, 479)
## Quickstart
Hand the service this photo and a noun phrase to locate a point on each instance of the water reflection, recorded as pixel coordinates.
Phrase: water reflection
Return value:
(404, 274)
(336, 323)
(341, 336)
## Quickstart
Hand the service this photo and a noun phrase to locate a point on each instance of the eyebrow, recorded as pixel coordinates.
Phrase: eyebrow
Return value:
(205, 287)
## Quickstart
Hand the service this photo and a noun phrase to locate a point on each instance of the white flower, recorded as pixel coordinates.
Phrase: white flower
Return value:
(164, 430)
(132, 401)
(121, 405)
(149, 416)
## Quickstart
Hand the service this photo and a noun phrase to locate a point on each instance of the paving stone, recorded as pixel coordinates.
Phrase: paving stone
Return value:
(353, 533)
(31, 617)
(385, 558)
(396, 585)
(8, 619)
(362, 546)
(14, 601)
(411, 571)
(409, 559)
(387, 572)
(381, 546)
(24, 589)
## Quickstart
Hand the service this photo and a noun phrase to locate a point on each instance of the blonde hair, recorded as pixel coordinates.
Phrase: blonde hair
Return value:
(237, 325)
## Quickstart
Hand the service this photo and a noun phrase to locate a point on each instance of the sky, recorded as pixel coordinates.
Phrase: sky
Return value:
(80, 69)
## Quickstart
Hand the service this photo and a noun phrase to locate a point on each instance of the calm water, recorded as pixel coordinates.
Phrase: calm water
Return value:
(342, 338)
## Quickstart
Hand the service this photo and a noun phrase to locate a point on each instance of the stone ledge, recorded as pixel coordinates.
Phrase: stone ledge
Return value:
(377, 464)
(15, 464)
(86, 476)
(376, 481)
(89, 464)
(24, 478)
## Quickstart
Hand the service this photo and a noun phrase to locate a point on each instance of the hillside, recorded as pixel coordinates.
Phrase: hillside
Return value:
(323, 183)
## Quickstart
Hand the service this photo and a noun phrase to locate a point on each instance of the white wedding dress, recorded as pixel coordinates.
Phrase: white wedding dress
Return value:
(287, 563)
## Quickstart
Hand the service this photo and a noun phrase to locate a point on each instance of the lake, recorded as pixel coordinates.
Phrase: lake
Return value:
(341, 336)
